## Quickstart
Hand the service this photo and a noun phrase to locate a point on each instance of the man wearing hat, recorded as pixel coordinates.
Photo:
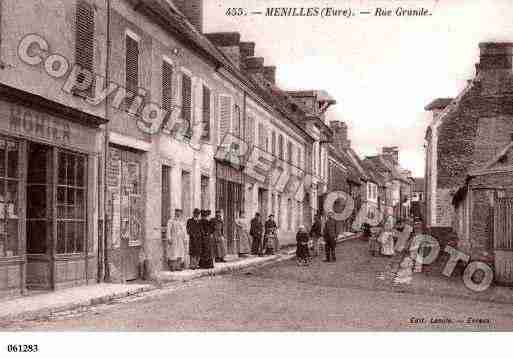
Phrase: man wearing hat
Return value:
(330, 238)
(206, 249)
(195, 234)
(256, 231)
(220, 241)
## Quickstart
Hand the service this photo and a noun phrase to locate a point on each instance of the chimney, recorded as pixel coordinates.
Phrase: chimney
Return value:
(392, 153)
(340, 137)
(270, 74)
(495, 56)
(229, 44)
(193, 11)
(254, 65)
(247, 49)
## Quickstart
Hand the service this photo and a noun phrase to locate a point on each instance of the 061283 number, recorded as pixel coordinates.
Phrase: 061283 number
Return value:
(235, 11)
(22, 348)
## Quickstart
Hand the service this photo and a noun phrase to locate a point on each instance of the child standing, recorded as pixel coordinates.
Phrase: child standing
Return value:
(302, 253)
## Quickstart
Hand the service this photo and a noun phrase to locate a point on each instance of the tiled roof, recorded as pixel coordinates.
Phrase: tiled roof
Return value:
(175, 22)
(353, 174)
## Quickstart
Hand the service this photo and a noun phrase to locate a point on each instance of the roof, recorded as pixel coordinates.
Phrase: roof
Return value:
(174, 21)
(353, 174)
(419, 184)
(374, 175)
(438, 104)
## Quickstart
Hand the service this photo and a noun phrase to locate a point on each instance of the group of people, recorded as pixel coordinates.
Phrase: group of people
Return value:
(201, 241)
(308, 243)
(382, 239)
(199, 244)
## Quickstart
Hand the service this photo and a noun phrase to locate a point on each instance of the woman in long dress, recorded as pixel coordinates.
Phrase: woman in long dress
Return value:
(218, 236)
(386, 238)
(207, 248)
(271, 243)
(242, 235)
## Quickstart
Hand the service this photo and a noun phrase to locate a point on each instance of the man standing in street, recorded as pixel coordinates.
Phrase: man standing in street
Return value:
(330, 237)
(256, 232)
(195, 233)
(316, 234)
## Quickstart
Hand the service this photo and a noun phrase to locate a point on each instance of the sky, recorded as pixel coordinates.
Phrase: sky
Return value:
(381, 70)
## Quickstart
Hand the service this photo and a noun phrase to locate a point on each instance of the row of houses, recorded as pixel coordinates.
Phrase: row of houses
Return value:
(469, 143)
(90, 172)
(378, 185)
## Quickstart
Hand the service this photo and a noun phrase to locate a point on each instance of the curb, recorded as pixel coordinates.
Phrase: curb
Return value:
(157, 284)
(46, 312)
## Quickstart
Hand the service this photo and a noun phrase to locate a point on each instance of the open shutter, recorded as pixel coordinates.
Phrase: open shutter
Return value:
(167, 86)
(261, 138)
(187, 103)
(250, 131)
(206, 114)
(132, 64)
(225, 113)
(84, 38)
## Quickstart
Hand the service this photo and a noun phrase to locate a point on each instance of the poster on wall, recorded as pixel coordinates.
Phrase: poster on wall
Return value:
(136, 221)
(116, 220)
(125, 218)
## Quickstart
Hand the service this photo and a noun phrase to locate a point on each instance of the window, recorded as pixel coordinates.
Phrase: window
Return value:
(261, 138)
(205, 199)
(250, 131)
(167, 86)
(289, 214)
(280, 147)
(206, 114)
(131, 65)
(9, 197)
(84, 40)
(225, 104)
(71, 203)
(273, 143)
(236, 121)
(289, 152)
(187, 104)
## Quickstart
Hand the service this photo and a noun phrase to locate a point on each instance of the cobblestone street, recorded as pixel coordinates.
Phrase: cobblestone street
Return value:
(358, 292)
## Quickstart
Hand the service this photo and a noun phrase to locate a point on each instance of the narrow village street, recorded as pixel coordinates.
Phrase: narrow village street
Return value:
(358, 292)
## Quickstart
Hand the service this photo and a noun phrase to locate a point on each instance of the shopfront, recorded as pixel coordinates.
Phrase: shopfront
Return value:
(229, 199)
(125, 211)
(48, 194)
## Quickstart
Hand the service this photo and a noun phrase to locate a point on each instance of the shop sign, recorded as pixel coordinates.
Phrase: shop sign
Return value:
(39, 125)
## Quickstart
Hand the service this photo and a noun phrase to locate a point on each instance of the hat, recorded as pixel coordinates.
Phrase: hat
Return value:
(204, 213)
(196, 211)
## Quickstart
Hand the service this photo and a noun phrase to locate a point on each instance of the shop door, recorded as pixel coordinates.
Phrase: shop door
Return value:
(126, 211)
(40, 272)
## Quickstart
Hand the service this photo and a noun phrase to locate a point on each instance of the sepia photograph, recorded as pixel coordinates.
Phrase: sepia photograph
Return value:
(254, 166)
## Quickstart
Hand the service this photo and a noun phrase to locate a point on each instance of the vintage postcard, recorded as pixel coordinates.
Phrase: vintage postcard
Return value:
(255, 166)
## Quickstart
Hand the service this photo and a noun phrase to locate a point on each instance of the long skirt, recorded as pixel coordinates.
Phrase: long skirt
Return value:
(221, 246)
(244, 241)
(387, 244)
(302, 252)
(207, 253)
(271, 244)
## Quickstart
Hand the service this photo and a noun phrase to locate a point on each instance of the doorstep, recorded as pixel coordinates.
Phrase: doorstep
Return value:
(43, 305)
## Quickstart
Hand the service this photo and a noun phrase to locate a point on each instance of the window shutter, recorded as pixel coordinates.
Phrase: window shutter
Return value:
(280, 147)
(236, 121)
(187, 103)
(132, 64)
(167, 86)
(273, 143)
(84, 37)
(261, 140)
(289, 152)
(206, 114)
(250, 131)
(225, 104)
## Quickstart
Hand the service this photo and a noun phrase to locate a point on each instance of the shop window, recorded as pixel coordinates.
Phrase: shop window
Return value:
(9, 198)
(39, 176)
(71, 203)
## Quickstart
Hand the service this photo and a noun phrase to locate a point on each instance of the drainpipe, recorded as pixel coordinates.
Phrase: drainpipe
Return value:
(105, 263)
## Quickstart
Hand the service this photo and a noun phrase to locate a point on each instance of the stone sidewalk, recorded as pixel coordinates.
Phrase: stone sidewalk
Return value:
(43, 305)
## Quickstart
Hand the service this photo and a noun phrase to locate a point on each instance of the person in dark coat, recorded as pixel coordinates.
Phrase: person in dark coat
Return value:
(206, 258)
(302, 252)
(194, 232)
(270, 245)
(316, 234)
(330, 238)
(256, 230)
(218, 234)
